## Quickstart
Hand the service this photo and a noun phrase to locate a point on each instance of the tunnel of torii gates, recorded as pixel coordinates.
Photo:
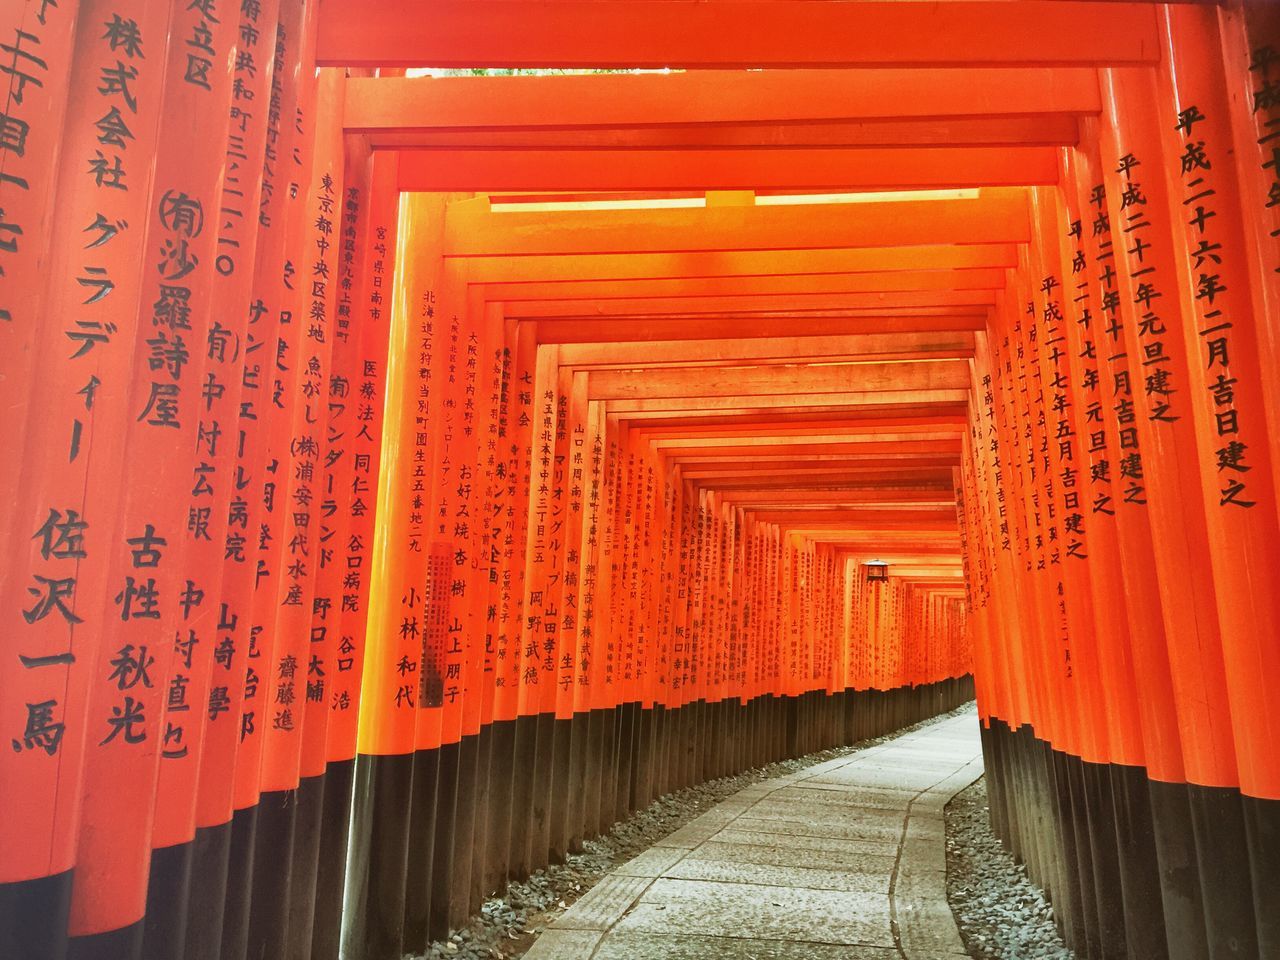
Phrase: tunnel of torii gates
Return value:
(407, 476)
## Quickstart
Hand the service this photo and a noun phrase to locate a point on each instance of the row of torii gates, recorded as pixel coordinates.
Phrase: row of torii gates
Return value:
(411, 475)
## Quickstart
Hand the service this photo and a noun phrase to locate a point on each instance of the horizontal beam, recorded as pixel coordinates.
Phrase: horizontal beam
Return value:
(805, 380)
(822, 465)
(832, 283)
(793, 168)
(1034, 131)
(904, 541)
(729, 422)
(613, 330)
(732, 33)
(810, 402)
(726, 481)
(684, 353)
(707, 100)
(819, 476)
(764, 499)
(741, 263)
(776, 440)
(852, 448)
(671, 435)
(865, 524)
(794, 304)
(998, 216)
(930, 515)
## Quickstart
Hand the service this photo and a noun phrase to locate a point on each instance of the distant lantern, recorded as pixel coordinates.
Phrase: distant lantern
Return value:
(877, 571)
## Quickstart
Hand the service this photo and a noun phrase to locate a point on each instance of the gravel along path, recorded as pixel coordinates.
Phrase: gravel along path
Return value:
(1001, 914)
(508, 925)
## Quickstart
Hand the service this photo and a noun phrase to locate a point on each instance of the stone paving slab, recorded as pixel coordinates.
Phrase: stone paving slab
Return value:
(867, 827)
(653, 862)
(765, 912)
(767, 838)
(644, 946)
(842, 861)
(604, 904)
(787, 856)
(778, 875)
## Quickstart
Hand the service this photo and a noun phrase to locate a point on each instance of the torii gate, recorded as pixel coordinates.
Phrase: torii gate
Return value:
(357, 383)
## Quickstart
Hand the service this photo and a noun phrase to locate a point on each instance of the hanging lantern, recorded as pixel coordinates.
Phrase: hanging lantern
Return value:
(877, 571)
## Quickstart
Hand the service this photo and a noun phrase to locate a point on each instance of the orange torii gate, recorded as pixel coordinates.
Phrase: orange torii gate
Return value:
(473, 459)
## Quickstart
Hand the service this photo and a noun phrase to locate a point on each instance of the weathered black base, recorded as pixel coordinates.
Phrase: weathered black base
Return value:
(33, 917)
(382, 854)
(168, 887)
(208, 891)
(335, 824)
(1137, 869)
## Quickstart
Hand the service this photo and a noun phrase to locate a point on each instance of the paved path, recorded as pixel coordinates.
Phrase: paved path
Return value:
(842, 861)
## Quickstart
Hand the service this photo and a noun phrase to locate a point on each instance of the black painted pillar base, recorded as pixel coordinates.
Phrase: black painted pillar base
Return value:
(1179, 875)
(33, 917)
(463, 835)
(502, 753)
(1142, 906)
(1222, 852)
(524, 759)
(574, 813)
(561, 787)
(1262, 828)
(122, 944)
(417, 857)
(307, 824)
(240, 876)
(272, 874)
(441, 882)
(206, 897)
(335, 823)
(481, 868)
(1137, 869)
(539, 836)
(592, 775)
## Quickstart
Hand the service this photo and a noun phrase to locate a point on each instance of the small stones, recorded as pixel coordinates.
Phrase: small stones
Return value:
(1001, 914)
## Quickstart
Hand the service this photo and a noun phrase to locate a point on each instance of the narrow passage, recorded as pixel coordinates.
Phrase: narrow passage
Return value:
(841, 861)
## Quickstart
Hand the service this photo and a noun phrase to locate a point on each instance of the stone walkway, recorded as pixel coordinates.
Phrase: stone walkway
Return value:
(842, 861)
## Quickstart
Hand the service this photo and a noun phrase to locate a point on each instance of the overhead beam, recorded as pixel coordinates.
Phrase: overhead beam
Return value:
(764, 499)
(459, 169)
(615, 330)
(744, 448)
(851, 448)
(827, 465)
(816, 478)
(826, 479)
(683, 353)
(801, 380)
(725, 422)
(863, 521)
(673, 433)
(740, 263)
(1031, 131)
(809, 402)
(732, 33)
(708, 100)
(900, 541)
(998, 216)
(796, 304)
(833, 283)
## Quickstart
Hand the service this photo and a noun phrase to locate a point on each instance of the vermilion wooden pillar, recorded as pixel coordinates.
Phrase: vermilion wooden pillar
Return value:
(60, 528)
